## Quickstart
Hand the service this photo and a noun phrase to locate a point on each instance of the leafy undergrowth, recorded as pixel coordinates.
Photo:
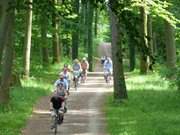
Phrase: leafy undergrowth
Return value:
(13, 116)
(152, 108)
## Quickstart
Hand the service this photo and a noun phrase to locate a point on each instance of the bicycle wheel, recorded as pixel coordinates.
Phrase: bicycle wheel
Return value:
(55, 125)
(75, 83)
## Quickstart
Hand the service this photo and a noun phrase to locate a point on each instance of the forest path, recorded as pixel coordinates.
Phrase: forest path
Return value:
(85, 114)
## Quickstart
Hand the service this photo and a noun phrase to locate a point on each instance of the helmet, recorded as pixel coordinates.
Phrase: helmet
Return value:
(76, 61)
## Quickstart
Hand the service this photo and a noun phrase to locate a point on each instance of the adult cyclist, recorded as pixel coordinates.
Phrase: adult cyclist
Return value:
(108, 67)
(76, 69)
(85, 67)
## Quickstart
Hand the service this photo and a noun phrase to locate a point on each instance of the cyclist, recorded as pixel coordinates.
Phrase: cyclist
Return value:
(76, 69)
(67, 76)
(108, 67)
(85, 67)
(66, 68)
(61, 88)
(57, 103)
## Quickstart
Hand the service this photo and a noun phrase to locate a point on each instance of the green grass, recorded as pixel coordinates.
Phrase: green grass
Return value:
(13, 116)
(153, 108)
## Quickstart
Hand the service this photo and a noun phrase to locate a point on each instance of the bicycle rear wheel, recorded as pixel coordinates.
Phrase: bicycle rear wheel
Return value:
(55, 125)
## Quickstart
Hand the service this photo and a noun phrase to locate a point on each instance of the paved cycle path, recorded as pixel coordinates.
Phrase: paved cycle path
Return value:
(85, 114)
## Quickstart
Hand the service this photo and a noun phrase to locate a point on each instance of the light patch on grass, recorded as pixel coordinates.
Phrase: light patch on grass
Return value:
(152, 108)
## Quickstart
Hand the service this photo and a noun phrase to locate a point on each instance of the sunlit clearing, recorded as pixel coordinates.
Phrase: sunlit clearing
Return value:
(148, 82)
(84, 112)
(41, 112)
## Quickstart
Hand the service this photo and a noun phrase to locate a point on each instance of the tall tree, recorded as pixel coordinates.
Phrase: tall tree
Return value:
(7, 60)
(96, 12)
(170, 45)
(85, 42)
(27, 44)
(75, 32)
(3, 26)
(150, 42)
(144, 43)
(44, 26)
(132, 50)
(120, 91)
(55, 37)
(90, 33)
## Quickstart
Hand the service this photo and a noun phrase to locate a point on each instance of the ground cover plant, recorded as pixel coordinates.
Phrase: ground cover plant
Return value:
(152, 108)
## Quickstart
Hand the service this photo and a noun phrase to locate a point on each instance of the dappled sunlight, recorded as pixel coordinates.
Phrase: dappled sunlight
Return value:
(148, 82)
(41, 111)
(87, 90)
(84, 112)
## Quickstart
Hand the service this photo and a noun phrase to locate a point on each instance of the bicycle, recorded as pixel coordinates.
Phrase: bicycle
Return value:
(83, 76)
(107, 77)
(76, 75)
(57, 117)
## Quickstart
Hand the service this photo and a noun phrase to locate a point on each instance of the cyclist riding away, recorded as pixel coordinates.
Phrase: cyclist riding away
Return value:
(85, 67)
(76, 69)
(108, 67)
(67, 76)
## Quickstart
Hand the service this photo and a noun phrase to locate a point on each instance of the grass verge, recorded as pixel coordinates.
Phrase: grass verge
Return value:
(152, 108)
(13, 116)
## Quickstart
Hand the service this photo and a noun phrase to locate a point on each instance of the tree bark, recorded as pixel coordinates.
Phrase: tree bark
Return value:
(3, 26)
(7, 60)
(170, 45)
(149, 34)
(144, 43)
(75, 32)
(45, 51)
(90, 35)
(132, 58)
(86, 27)
(96, 22)
(55, 42)
(150, 43)
(27, 45)
(120, 91)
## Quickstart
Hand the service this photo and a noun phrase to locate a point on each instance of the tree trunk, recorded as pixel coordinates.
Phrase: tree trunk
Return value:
(120, 91)
(150, 35)
(150, 43)
(154, 43)
(96, 22)
(170, 46)
(86, 27)
(45, 51)
(90, 34)
(7, 60)
(3, 26)
(27, 46)
(144, 43)
(56, 45)
(75, 33)
(132, 58)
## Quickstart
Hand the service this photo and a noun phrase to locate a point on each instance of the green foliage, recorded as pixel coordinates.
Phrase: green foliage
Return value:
(15, 114)
(152, 109)
(157, 8)
(171, 74)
